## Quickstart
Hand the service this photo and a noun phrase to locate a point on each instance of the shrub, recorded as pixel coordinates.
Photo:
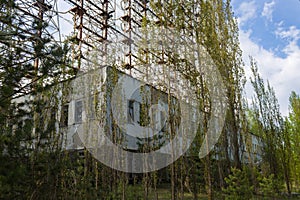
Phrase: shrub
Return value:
(238, 185)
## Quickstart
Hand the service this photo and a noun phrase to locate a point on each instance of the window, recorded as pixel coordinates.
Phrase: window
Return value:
(130, 115)
(64, 115)
(78, 111)
(137, 113)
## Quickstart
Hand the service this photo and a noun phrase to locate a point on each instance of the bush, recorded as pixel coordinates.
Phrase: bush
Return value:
(238, 185)
(269, 186)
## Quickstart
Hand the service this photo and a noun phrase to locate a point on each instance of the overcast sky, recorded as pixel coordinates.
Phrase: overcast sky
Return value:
(270, 32)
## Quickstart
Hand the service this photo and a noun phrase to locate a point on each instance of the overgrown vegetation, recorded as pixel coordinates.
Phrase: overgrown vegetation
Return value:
(34, 165)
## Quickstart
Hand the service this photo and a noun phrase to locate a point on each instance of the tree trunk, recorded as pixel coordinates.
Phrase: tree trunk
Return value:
(208, 178)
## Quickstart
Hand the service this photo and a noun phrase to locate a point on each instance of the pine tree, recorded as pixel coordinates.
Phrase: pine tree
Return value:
(29, 164)
(238, 184)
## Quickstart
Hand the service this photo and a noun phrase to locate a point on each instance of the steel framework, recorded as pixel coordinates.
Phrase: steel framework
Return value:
(101, 29)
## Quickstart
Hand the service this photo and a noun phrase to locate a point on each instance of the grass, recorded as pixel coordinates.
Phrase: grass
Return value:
(137, 192)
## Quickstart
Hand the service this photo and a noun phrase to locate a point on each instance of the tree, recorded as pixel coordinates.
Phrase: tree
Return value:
(293, 130)
(213, 27)
(269, 123)
(32, 65)
(238, 184)
(29, 162)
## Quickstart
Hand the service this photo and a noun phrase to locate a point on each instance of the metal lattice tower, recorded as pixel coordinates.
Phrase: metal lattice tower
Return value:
(44, 11)
(116, 24)
(102, 24)
(36, 21)
(108, 27)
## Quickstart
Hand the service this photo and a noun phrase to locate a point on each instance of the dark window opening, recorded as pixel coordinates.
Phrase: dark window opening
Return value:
(64, 115)
(130, 115)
